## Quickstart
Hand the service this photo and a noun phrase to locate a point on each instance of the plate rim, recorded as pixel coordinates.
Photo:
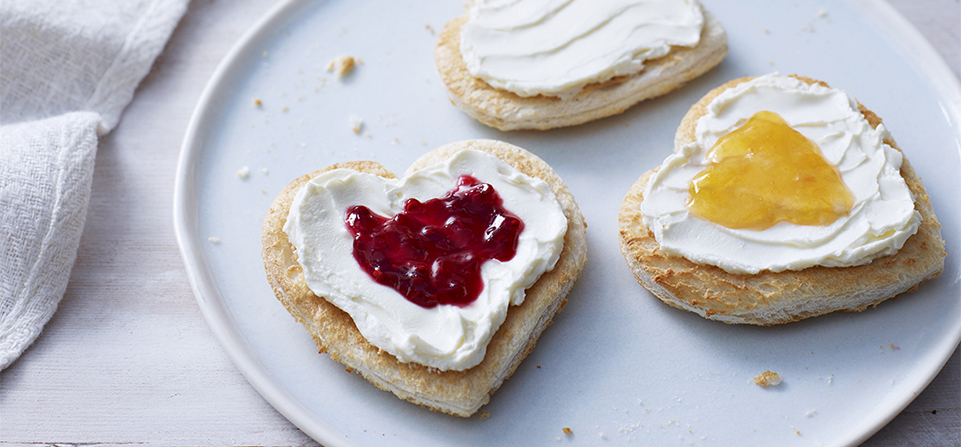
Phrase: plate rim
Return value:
(948, 87)
(205, 292)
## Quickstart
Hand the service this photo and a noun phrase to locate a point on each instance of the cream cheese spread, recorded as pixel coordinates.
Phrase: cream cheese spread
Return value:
(882, 218)
(556, 47)
(445, 337)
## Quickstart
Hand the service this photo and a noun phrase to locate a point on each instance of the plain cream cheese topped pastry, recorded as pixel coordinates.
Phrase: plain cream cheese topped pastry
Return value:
(881, 218)
(446, 337)
(556, 47)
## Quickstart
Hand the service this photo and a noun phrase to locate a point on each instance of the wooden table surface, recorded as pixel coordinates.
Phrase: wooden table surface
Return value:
(129, 359)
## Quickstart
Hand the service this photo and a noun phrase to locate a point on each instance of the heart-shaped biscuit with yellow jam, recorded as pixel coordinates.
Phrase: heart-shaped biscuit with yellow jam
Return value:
(784, 199)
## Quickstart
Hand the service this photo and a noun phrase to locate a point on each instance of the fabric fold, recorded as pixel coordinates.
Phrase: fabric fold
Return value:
(68, 68)
(46, 169)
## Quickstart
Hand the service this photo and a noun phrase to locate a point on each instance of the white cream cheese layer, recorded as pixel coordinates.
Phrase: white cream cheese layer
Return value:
(556, 47)
(882, 218)
(445, 337)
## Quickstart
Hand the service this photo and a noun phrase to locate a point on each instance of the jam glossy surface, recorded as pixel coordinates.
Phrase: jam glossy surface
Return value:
(432, 252)
(765, 172)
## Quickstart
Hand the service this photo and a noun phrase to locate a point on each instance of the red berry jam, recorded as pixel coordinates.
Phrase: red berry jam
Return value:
(432, 252)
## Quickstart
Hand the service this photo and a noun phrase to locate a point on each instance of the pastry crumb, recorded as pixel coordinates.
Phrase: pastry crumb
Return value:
(214, 239)
(341, 65)
(484, 415)
(258, 102)
(567, 431)
(356, 123)
(243, 172)
(431, 29)
(767, 378)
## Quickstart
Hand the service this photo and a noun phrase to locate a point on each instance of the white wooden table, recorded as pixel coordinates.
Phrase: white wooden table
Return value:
(128, 358)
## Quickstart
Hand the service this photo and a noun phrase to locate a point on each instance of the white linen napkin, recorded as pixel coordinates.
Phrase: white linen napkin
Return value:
(68, 68)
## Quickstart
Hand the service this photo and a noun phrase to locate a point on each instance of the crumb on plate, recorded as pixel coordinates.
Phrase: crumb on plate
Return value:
(356, 123)
(341, 65)
(767, 378)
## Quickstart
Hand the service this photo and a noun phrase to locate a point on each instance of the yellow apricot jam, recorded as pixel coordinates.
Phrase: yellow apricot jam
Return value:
(765, 172)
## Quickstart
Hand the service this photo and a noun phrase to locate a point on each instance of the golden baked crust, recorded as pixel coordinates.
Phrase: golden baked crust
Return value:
(769, 298)
(460, 393)
(505, 110)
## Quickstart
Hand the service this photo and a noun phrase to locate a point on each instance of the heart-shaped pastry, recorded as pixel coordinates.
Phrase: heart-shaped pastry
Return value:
(375, 281)
(543, 65)
(885, 245)
(449, 357)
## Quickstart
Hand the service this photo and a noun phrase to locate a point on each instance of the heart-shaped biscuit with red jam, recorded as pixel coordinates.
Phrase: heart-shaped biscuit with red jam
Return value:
(434, 286)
